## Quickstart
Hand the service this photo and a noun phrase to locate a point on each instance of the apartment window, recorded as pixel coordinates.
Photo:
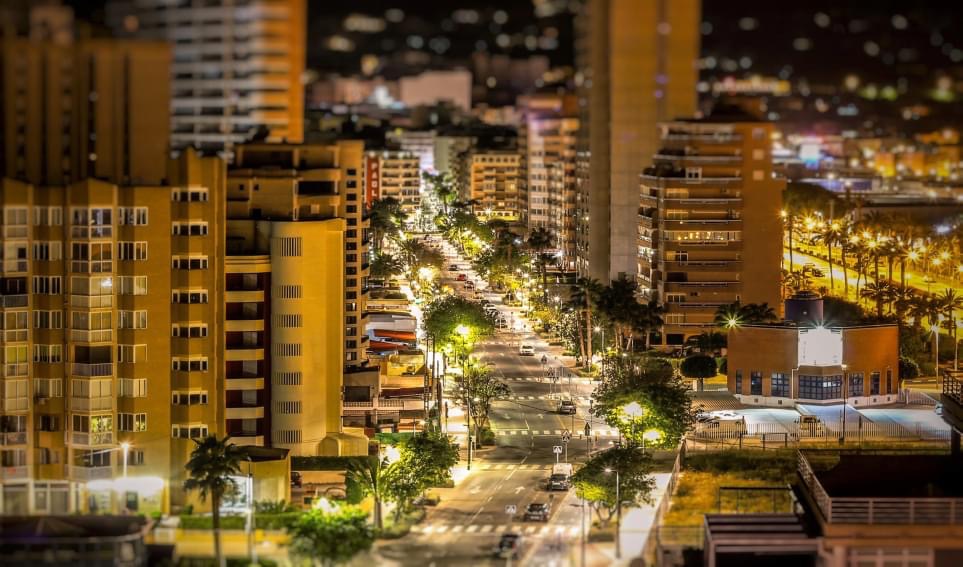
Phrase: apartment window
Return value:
(135, 422)
(693, 173)
(48, 216)
(197, 398)
(288, 321)
(780, 385)
(92, 326)
(48, 319)
(132, 285)
(189, 296)
(127, 250)
(91, 257)
(192, 364)
(675, 298)
(755, 383)
(874, 383)
(189, 228)
(758, 154)
(189, 330)
(889, 381)
(189, 195)
(91, 223)
(820, 387)
(758, 134)
(48, 353)
(288, 291)
(15, 256)
(131, 353)
(738, 381)
(132, 216)
(856, 384)
(293, 407)
(287, 378)
(132, 319)
(197, 431)
(15, 222)
(48, 285)
(132, 387)
(189, 262)
(288, 246)
(758, 175)
(48, 423)
(287, 349)
(48, 250)
(15, 395)
(15, 325)
(135, 457)
(48, 387)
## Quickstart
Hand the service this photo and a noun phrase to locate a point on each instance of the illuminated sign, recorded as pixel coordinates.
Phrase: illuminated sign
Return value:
(820, 347)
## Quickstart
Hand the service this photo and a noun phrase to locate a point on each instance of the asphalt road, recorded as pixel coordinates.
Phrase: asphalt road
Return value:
(470, 519)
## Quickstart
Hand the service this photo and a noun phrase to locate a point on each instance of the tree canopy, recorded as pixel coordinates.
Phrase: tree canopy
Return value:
(445, 314)
(596, 480)
(698, 366)
(331, 536)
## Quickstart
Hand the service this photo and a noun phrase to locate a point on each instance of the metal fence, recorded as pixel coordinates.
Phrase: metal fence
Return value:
(652, 544)
(768, 435)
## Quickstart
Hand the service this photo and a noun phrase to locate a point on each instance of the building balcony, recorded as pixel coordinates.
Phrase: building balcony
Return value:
(252, 412)
(102, 403)
(688, 245)
(21, 472)
(698, 201)
(253, 296)
(7, 301)
(94, 301)
(85, 439)
(687, 306)
(681, 224)
(15, 369)
(241, 440)
(91, 336)
(383, 404)
(701, 266)
(698, 159)
(84, 474)
(701, 286)
(238, 325)
(244, 354)
(710, 137)
(645, 221)
(96, 369)
(247, 383)
(13, 438)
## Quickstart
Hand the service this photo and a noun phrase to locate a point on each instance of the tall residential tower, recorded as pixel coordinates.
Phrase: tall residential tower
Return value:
(636, 63)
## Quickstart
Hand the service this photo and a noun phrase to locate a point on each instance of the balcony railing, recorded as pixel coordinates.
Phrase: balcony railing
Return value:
(15, 369)
(13, 438)
(92, 439)
(100, 403)
(14, 473)
(91, 336)
(91, 300)
(96, 369)
(904, 511)
(392, 404)
(13, 300)
(90, 473)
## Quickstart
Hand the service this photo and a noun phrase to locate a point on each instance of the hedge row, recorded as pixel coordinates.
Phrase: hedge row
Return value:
(261, 521)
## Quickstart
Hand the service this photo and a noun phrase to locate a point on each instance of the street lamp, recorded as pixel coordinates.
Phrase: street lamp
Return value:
(633, 411)
(650, 435)
(618, 513)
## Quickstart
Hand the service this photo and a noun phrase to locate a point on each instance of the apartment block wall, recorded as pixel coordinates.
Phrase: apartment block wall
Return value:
(492, 178)
(95, 291)
(90, 109)
(394, 174)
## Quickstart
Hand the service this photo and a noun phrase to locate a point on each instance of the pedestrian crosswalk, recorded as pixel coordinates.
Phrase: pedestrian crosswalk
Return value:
(556, 432)
(510, 467)
(550, 397)
(533, 530)
(544, 379)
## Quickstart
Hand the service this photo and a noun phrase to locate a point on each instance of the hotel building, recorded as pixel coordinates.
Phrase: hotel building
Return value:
(636, 67)
(709, 209)
(395, 174)
(546, 142)
(492, 179)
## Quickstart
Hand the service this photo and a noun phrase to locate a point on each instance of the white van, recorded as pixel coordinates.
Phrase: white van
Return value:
(561, 478)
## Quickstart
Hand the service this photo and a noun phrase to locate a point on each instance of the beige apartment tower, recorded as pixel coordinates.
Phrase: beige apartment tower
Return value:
(708, 222)
(236, 71)
(636, 62)
(75, 111)
(546, 141)
(297, 277)
(110, 337)
(491, 178)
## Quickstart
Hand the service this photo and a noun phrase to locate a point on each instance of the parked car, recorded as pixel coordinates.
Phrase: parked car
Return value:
(526, 350)
(501, 323)
(453, 268)
(462, 277)
(508, 546)
(537, 512)
(810, 425)
(470, 285)
(567, 407)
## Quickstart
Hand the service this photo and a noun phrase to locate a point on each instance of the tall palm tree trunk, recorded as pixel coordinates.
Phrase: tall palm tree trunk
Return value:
(829, 251)
(590, 338)
(216, 521)
(842, 261)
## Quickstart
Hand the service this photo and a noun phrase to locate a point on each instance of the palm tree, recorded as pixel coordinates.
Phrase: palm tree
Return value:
(830, 235)
(618, 303)
(902, 298)
(922, 307)
(651, 319)
(211, 465)
(386, 220)
(759, 313)
(370, 474)
(585, 295)
(735, 314)
(949, 302)
(728, 316)
(540, 240)
(878, 292)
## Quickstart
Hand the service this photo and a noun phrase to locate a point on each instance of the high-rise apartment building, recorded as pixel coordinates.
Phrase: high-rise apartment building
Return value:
(636, 62)
(447, 149)
(546, 141)
(236, 72)
(297, 282)
(111, 343)
(418, 142)
(491, 178)
(78, 111)
(709, 222)
(395, 174)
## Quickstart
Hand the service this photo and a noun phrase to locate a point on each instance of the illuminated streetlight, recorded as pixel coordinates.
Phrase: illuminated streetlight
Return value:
(633, 410)
(463, 331)
(125, 447)
(618, 512)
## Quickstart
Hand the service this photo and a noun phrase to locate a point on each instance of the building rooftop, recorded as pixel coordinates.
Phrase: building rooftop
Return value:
(916, 476)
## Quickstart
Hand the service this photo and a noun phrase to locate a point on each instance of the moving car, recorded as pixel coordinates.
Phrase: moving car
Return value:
(501, 323)
(462, 277)
(526, 350)
(537, 512)
(453, 268)
(508, 546)
(567, 407)
(561, 477)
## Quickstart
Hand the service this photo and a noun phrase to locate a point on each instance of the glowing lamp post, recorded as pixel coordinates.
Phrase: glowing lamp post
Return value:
(618, 513)
(125, 447)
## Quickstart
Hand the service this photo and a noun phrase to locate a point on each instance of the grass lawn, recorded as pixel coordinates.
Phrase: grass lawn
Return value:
(698, 490)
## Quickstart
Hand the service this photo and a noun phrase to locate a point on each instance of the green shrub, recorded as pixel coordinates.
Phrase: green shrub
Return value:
(908, 369)
(261, 521)
(322, 463)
